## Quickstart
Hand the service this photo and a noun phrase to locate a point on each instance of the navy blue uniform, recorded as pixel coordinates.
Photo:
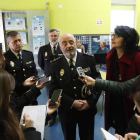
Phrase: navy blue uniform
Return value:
(45, 55)
(21, 71)
(63, 78)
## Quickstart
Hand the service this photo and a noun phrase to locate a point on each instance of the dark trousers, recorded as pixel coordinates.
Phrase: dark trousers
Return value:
(86, 130)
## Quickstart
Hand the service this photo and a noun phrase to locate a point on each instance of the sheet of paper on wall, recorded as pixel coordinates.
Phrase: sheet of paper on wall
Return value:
(107, 135)
(38, 114)
(23, 37)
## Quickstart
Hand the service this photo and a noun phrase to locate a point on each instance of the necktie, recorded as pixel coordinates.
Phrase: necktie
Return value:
(54, 49)
(20, 59)
(71, 64)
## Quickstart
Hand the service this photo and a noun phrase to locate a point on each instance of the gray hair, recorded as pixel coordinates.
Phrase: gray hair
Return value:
(11, 34)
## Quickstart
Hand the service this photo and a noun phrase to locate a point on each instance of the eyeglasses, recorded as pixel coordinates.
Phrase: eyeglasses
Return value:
(115, 36)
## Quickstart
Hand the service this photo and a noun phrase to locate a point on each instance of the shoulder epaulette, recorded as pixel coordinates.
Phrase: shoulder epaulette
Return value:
(55, 59)
(87, 54)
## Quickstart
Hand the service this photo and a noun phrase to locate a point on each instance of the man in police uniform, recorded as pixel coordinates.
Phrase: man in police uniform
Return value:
(78, 102)
(45, 55)
(19, 63)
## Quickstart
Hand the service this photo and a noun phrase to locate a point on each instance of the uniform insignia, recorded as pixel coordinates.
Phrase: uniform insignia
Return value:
(62, 72)
(46, 53)
(55, 59)
(29, 62)
(12, 63)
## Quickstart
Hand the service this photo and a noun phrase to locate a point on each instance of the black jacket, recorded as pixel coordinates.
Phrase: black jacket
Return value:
(45, 55)
(26, 98)
(29, 133)
(20, 71)
(134, 126)
(62, 78)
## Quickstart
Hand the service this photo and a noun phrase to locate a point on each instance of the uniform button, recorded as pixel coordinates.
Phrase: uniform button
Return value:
(71, 68)
(30, 66)
(75, 95)
(73, 79)
(13, 70)
(74, 87)
(24, 74)
(60, 78)
(23, 69)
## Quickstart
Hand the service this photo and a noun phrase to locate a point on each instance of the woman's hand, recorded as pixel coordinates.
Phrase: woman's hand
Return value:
(119, 137)
(27, 120)
(29, 82)
(42, 85)
(131, 136)
(88, 80)
(50, 110)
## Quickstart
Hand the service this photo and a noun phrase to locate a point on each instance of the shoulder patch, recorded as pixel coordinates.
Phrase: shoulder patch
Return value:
(55, 59)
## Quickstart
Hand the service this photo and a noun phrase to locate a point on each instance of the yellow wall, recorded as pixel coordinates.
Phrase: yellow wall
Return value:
(137, 17)
(76, 16)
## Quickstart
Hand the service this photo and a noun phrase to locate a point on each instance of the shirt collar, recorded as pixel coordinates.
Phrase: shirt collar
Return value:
(53, 46)
(16, 54)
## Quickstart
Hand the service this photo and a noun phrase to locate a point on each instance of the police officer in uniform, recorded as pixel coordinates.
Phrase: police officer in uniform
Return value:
(78, 102)
(45, 55)
(20, 63)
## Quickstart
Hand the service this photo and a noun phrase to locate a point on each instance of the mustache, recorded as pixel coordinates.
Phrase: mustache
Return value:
(69, 49)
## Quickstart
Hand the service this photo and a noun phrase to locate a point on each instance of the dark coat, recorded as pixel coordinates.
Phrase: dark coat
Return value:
(20, 71)
(45, 55)
(62, 78)
(129, 68)
(24, 100)
(134, 126)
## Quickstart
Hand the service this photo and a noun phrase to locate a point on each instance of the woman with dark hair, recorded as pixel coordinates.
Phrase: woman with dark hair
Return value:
(9, 123)
(123, 63)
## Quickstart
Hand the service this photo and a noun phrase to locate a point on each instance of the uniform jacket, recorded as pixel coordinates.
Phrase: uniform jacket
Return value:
(129, 68)
(21, 71)
(45, 55)
(62, 78)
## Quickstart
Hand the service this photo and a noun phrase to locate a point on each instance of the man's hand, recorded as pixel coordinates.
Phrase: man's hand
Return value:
(131, 136)
(29, 82)
(50, 110)
(77, 104)
(85, 105)
(119, 137)
(138, 118)
(88, 80)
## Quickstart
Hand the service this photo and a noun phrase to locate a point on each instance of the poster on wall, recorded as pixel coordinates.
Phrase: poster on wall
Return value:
(23, 37)
(38, 41)
(15, 23)
(38, 25)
